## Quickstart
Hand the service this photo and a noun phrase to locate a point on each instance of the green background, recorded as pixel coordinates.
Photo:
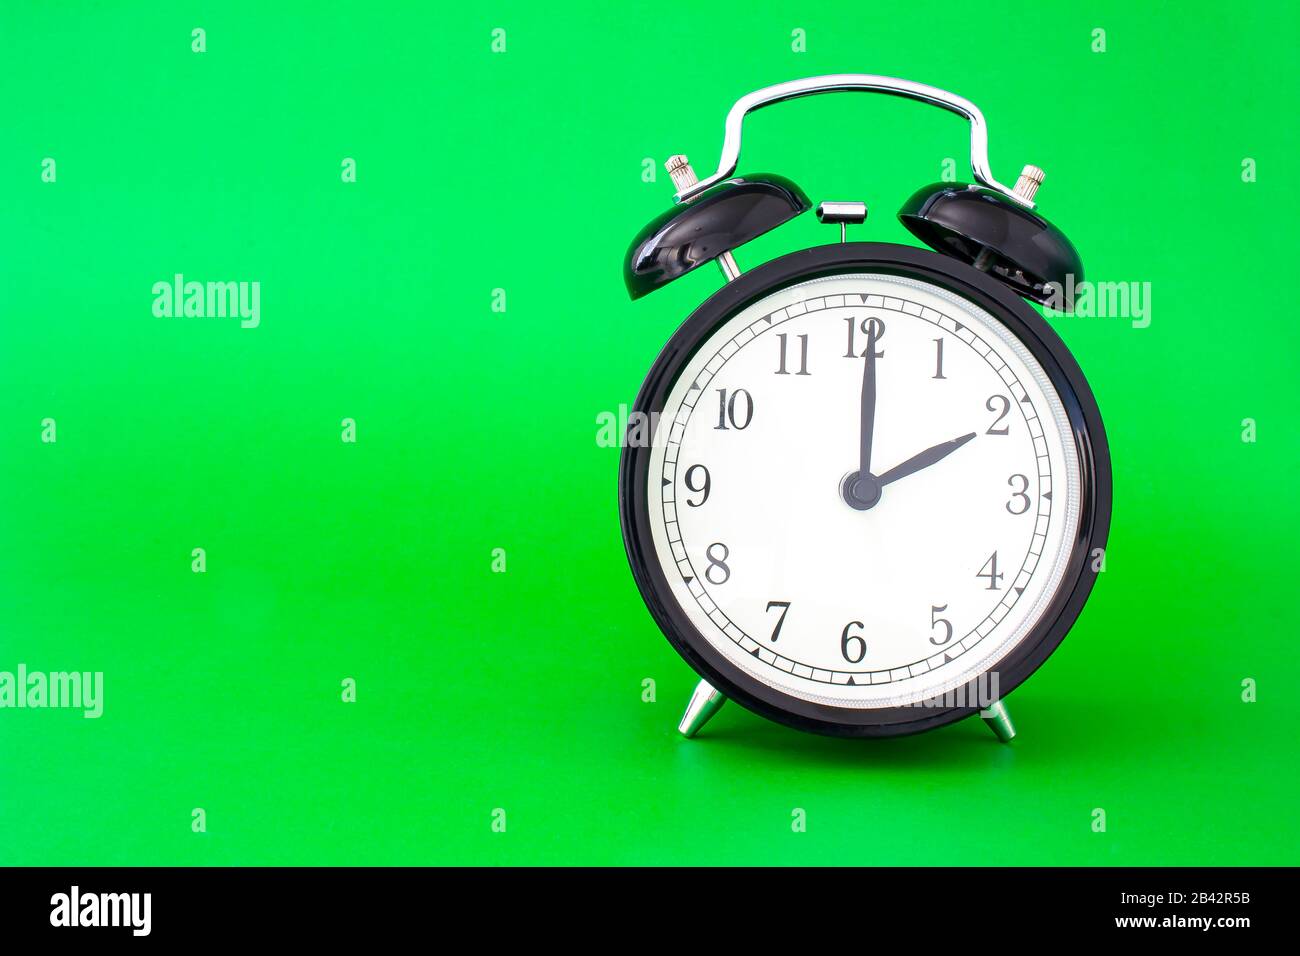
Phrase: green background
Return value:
(477, 430)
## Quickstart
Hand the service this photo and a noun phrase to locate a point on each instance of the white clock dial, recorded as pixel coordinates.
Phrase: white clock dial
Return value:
(786, 573)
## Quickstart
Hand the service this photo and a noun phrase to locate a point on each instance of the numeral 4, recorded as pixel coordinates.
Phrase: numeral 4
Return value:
(990, 571)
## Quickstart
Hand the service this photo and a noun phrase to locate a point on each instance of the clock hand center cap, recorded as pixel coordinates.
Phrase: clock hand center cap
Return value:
(860, 491)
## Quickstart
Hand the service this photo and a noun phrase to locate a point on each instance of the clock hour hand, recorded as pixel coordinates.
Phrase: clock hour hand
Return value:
(924, 460)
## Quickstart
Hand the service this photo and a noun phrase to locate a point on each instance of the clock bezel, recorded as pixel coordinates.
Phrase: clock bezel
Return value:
(1021, 321)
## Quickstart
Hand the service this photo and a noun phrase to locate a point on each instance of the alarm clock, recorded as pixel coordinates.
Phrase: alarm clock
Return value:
(876, 489)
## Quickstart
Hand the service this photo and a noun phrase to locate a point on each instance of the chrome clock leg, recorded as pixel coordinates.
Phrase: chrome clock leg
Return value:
(727, 263)
(705, 702)
(999, 721)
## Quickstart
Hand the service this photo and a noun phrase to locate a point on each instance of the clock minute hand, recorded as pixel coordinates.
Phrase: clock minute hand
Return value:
(868, 420)
(924, 460)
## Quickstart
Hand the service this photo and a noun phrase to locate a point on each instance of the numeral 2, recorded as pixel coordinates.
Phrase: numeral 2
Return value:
(991, 405)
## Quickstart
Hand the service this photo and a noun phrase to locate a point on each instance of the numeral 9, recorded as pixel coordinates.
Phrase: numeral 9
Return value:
(702, 489)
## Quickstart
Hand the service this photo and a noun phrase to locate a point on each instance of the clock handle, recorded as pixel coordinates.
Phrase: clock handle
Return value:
(859, 82)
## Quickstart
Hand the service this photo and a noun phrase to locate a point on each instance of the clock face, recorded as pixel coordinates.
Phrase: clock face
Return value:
(863, 491)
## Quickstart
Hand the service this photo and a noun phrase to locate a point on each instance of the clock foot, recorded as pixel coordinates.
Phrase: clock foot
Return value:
(999, 721)
(705, 702)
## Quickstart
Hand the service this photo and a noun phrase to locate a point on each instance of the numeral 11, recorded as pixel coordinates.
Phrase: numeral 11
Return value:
(803, 355)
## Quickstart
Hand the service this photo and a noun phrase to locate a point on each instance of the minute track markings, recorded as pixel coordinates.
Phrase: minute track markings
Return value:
(898, 306)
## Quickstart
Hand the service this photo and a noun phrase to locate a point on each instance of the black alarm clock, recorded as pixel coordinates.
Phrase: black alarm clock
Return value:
(877, 488)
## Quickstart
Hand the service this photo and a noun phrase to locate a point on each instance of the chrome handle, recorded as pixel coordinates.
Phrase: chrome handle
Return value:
(851, 82)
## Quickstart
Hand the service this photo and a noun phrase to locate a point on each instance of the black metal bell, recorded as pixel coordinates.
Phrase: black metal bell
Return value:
(1011, 243)
(722, 218)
